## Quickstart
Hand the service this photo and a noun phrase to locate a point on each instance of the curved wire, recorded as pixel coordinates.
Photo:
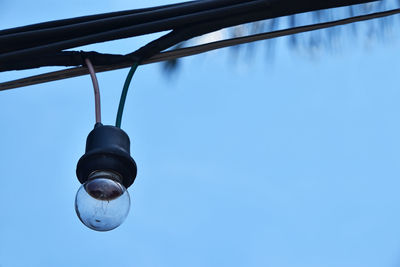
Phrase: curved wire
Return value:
(96, 90)
(124, 94)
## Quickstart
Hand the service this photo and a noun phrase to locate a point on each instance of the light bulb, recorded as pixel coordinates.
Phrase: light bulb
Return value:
(102, 202)
(105, 171)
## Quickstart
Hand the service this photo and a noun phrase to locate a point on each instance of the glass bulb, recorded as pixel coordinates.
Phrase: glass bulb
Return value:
(102, 204)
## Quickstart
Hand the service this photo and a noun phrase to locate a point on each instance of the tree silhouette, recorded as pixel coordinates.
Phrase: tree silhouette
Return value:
(307, 42)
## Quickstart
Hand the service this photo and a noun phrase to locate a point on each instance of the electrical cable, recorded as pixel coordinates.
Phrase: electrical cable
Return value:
(74, 58)
(189, 51)
(96, 90)
(235, 14)
(135, 30)
(124, 93)
(64, 58)
(70, 21)
(17, 41)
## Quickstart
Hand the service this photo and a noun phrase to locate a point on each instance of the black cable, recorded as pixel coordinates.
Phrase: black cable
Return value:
(189, 51)
(64, 58)
(17, 41)
(190, 31)
(279, 8)
(70, 21)
(141, 29)
(106, 62)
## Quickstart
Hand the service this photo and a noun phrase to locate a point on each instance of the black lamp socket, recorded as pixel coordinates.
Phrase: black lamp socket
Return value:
(107, 149)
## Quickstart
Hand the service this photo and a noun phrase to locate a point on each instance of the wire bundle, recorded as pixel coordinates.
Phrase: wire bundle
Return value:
(43, 44)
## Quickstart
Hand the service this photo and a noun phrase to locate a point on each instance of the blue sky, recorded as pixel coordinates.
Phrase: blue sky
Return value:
(284, 161)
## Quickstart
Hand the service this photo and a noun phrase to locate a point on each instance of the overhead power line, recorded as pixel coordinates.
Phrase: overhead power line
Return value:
(178, 53)
(110, 28)
(70, 21)
(186, 20)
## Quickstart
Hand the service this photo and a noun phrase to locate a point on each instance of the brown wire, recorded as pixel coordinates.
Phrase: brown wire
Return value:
(96, 90)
